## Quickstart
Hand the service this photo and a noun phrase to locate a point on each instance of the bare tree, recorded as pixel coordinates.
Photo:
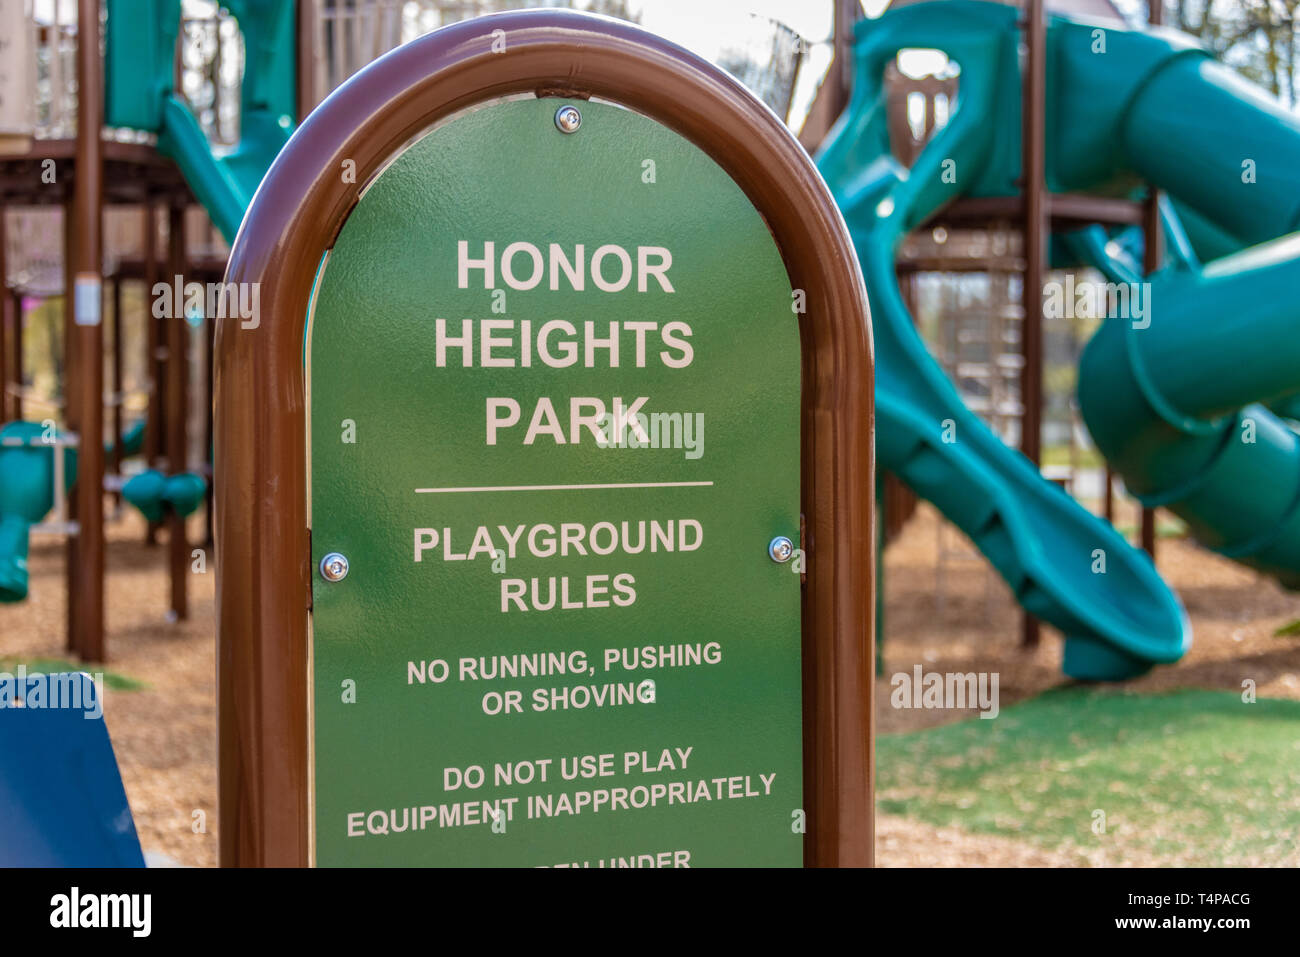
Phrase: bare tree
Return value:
(1255, 37)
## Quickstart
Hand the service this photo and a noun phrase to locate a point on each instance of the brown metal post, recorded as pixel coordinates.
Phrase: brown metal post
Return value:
(263, 548)
(178, 354)
(71, 419)
(837, 86)
(153, 363)
(308, 31)
(4, 318)
(16, 403)
(116, 382)
(1035, 231)
(1108, 495)
(209, 357)
(1152, 246)
(1148, 516)
(85, 351)
(1153, 240)
(846, 17)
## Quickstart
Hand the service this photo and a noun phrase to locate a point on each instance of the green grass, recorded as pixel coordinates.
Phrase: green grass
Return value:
(1170, 528)
(1189, 778)
(112, 679)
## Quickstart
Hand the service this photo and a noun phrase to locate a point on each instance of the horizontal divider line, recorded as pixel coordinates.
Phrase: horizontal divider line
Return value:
(560, 488)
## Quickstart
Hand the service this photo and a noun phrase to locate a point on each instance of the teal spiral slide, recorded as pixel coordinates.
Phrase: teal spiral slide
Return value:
(1181, 402)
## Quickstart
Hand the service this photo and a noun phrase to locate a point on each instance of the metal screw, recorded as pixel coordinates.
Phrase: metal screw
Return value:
(334, 567)
(568, 119)
(780, 549)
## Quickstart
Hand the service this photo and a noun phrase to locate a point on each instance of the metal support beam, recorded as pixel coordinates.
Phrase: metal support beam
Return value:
(71, 412)
(153, 364)
(1152, 254)
(1064, 210)
(16, 400)
(209, 431)
(1034, 111)
(118, 392)
(177, 336)
(5, 302)
(84, 296)
(307, 96)
(846, 17)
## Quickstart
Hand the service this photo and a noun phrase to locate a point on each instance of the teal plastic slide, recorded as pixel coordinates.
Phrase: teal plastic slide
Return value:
(26, 496)
(1170, 396)
(141, 40)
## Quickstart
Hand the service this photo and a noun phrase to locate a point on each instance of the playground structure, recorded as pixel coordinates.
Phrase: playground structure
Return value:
(182, 122)
(172, 134)
(1180, 440)
(204, 131)
(186, 135)
(85, 181)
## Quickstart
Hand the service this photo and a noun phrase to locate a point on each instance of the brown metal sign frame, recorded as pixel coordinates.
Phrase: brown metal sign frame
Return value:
(263, 553)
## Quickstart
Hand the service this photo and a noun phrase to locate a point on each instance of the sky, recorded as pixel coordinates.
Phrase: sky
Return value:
(704, 27)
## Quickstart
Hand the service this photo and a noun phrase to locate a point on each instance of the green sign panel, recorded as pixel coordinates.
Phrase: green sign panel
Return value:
(555, 410)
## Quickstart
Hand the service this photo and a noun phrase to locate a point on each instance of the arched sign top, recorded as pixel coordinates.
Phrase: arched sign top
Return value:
(265, 570)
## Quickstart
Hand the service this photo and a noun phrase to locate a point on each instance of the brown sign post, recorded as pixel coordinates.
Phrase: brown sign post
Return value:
(265, 567)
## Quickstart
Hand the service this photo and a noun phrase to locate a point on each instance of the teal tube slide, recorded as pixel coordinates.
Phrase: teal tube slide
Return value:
(1192, 406)
(26, 495)
(27, 486)
(1185, 404)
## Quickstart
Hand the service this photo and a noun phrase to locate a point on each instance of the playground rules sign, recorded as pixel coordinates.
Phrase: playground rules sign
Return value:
(554, 401)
